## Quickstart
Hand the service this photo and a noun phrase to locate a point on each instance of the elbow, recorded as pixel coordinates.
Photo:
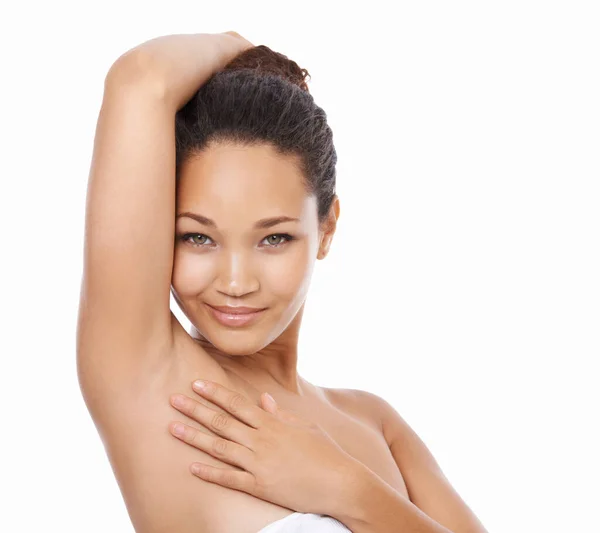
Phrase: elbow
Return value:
(138, 70)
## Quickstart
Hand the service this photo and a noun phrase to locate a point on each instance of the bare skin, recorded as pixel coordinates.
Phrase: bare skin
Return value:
(351, 423)
(131, 358)
(133, 354)
(255, 184)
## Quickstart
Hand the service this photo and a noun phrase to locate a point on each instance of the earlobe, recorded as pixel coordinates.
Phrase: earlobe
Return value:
(329, 230)
(324, 248)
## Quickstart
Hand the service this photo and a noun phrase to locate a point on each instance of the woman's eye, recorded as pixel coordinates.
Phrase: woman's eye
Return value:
(278, 239)
(201, 239)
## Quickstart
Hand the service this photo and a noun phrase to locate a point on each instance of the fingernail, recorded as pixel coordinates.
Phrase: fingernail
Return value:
(270, 397)
(178, 401)
(199, 384)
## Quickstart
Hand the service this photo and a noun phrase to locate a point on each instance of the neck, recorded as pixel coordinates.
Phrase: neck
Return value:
(272, 367)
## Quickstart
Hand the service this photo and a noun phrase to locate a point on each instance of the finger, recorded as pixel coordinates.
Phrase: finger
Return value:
(232, 401)
(271, 401)
(268, 403)
(286, 416)
(232, 479)
(223, 424)
(223, 449)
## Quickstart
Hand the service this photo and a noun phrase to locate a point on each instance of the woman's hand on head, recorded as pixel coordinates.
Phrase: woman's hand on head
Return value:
(286, 459)
(244, 43)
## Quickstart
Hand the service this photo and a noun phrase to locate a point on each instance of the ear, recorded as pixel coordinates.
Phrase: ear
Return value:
(328, 227)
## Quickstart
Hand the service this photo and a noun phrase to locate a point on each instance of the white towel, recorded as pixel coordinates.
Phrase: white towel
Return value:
(305, 523)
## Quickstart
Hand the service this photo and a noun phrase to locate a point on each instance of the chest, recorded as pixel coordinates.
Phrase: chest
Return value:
(358, 433)
(359, 436)
(152, 467)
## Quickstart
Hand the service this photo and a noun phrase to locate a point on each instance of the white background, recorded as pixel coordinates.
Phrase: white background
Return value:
(465, 270)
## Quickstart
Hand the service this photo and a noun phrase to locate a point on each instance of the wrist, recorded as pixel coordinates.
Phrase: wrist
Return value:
(353, 481)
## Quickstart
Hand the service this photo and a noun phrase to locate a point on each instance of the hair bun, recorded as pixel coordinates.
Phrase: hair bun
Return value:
(262, 59)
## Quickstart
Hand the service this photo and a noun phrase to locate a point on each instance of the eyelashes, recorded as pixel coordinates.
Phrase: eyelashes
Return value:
(286, 238)
(188, 239)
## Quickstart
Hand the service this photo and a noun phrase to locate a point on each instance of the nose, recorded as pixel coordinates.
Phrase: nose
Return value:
(236, 275)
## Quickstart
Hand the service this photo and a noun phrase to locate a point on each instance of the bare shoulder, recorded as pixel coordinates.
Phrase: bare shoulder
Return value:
(360, 403)
(428, 487)
(374, 407)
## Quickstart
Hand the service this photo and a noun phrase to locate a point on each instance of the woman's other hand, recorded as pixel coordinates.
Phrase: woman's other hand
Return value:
(245, 43)
(287, 460)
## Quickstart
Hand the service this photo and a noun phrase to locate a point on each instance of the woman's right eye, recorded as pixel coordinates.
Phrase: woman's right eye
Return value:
(201, 239)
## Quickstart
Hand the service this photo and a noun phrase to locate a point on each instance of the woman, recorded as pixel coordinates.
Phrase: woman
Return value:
(213, 176)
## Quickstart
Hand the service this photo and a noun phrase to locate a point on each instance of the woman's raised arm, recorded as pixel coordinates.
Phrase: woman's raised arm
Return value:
(124, 322)
(180, 63)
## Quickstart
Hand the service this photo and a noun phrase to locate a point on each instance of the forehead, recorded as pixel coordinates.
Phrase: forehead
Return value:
(248, 181)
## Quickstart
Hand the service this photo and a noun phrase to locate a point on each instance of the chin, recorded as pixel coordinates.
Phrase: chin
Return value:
(235, 342)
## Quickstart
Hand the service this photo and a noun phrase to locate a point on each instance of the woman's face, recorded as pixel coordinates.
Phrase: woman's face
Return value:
(244, 257)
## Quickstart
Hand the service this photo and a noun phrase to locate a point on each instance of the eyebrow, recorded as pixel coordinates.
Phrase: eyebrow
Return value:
(261, 224)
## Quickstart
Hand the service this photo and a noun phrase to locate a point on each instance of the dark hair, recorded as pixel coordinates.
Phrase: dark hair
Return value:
(261, 97)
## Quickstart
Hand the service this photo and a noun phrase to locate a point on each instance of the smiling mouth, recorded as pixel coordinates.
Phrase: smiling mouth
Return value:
(235, 316)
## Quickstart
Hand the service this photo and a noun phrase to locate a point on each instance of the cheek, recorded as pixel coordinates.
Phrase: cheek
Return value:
(287, 274)
(282, 275)
(192, 273)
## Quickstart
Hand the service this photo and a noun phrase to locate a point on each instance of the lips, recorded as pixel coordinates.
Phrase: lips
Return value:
(235, 316)
(235, 310)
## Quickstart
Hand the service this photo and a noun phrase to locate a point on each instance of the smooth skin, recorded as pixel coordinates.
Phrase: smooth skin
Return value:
(132, 353)
(284, 458)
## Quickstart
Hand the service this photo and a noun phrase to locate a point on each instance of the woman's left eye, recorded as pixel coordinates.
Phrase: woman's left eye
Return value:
(274, 240)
